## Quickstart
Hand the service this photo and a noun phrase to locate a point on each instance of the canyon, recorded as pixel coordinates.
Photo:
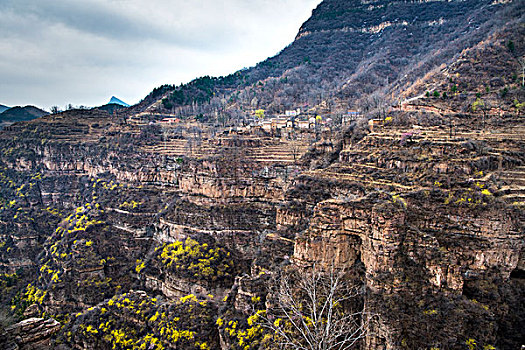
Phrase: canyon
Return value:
(120, 231)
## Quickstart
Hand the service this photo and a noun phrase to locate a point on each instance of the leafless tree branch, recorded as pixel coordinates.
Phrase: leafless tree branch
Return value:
(316, 310)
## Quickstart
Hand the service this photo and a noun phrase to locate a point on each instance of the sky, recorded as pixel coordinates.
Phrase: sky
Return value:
(57, 52)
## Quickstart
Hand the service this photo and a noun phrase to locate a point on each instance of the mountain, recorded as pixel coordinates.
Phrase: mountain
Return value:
(350, 49)
(111, 107)
(3, 108)
(117, 101)
(15, 114)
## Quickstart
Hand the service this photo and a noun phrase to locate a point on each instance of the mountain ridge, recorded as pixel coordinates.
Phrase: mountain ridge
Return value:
(26, 113)
(385, 46)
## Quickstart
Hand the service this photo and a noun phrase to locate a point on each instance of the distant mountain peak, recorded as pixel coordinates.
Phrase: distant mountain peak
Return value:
(3, 108)
(18, 113)
(115, 100)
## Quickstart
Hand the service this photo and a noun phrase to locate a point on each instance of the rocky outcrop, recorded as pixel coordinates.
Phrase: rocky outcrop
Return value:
(32, 333)
(414, 245)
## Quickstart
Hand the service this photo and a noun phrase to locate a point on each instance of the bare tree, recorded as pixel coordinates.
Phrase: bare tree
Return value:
(316, 310)
(375, 105)
(521, 61)
(295, 146)
(482, 105)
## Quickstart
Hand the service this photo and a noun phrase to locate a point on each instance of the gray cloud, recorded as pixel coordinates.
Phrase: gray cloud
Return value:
(104, 20)
(84, 51)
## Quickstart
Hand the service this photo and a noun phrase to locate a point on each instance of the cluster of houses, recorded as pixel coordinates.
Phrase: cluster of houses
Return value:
(289, 121)
(279, 123)
(292, 120)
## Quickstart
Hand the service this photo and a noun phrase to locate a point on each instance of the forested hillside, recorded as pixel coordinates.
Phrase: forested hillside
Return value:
(348, 50)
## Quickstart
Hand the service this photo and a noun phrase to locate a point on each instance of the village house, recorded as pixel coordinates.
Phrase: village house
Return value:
(137, 120)
(266, 125)
(375, 124)
(304, 124)
(293, 113)
(279, 123)
(240, 130)
(350, 116)
(169, 120)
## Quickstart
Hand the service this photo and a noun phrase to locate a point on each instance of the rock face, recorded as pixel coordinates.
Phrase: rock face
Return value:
(434, 232)
(428, 223)
(32, 333)
(415, 252)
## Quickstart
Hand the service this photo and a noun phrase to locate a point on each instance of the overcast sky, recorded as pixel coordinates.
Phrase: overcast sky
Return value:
(55, 52)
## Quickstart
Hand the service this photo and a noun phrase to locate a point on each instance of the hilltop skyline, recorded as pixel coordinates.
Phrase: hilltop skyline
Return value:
(84, 52)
